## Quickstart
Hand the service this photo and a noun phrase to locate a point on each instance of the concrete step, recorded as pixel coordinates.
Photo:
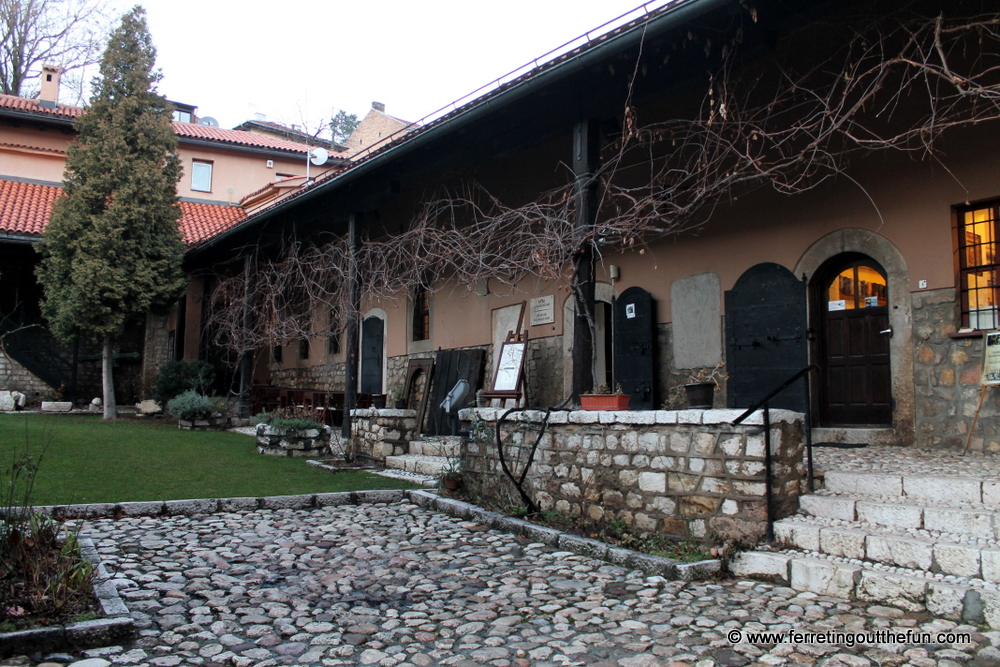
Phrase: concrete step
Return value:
(854, 435)
(914, 488)
(918, 549)
(959, 599)
(977, 520)
(417, 463)
(445, 445)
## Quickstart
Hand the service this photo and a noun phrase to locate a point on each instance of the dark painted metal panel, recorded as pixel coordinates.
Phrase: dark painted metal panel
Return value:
(372, 334)
(766, 336)
(633, 347)
(450, 366)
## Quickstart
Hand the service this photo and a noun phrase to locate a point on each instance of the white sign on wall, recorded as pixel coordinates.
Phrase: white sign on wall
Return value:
(543, 310)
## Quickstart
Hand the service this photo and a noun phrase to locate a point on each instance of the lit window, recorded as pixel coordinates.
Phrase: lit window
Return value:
(421, 313)
(976, 237)
(201, 176)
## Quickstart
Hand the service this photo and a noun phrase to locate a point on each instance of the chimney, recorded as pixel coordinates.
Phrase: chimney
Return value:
(50, 86)
(378, 106)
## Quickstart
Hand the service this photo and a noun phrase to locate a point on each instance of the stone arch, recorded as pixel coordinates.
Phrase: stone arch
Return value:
(873, 245)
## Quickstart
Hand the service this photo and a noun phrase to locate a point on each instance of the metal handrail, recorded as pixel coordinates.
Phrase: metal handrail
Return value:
(766, 404)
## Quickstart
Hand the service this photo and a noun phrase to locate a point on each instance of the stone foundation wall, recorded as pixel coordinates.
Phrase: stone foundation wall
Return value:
(324, 377)
(946, 378)
(15, 377)
(378, 433)
(688, 474)
(670, 380)
(311, 442)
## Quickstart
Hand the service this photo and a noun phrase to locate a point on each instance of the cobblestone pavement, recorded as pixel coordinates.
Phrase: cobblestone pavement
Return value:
(909, 461)
(398, 585)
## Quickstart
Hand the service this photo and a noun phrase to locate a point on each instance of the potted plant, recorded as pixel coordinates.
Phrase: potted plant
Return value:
(449, 478)
(702, 386)
(601, 398)
(396, 396)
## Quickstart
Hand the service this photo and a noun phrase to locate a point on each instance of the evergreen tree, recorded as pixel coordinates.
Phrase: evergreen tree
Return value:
(112, 250)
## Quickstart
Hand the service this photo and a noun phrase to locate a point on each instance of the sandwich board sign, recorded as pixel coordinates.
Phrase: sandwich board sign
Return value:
(990, 376)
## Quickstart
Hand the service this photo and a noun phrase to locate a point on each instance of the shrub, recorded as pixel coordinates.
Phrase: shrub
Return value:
(176, 377)
(191, 405)
(296, 424)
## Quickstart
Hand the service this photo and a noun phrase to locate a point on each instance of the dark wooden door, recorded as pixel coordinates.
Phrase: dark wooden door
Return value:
(633, 347)
(766, 337)
(450, 366)
(857, 386)
(372, 335)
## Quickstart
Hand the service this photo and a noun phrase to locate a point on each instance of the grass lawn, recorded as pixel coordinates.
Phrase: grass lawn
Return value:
(88, 460)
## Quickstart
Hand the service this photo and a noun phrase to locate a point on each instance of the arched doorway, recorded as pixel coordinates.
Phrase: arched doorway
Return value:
(372, 357)
(852, 297)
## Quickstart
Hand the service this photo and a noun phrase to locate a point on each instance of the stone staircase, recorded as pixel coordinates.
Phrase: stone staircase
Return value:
(428, 456)
(917, 542)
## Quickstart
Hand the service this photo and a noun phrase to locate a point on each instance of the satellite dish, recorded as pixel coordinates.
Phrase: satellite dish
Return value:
(208, 121)
(318, 156)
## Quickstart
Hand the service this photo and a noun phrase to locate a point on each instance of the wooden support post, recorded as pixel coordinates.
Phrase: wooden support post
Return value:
(975, 418)
(585, 157)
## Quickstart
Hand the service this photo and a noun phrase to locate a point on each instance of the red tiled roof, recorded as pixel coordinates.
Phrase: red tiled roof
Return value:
(32, 106)
(200, 222)
(182, 130)
(25, 207)
(25, 210)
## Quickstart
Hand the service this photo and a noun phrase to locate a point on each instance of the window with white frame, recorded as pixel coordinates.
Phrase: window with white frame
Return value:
(201, 175)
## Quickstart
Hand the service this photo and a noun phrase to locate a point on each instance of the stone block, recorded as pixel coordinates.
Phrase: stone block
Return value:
(87, 511)
(698, 571)
(805, 536)
(699, 505)
(863, 484)
(962, 522)
(294, 502)
(901, 551)
(635, 416)
(943, 489)
(720, 416)
(390, 496)
(584, 417)
(238, 504)
(896, 516)
(583, 546)
(846, 542)
(990, 563)
(824, 577)
(653, 482)
(730, 445)
(149, 508)
(679, 482)
(651, 442)
(666, 416)
(991, 608)
(958, 559)
(191, 507)
(689, 416)
(56, 406)
(755, 446)
(653, 566)
(898, 590)
(771, 566)
(991, 494)
(945, 600)
(829, 507)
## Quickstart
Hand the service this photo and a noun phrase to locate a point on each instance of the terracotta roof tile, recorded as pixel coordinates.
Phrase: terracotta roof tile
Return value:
(25, 209)
(200, 222)
(32, 106)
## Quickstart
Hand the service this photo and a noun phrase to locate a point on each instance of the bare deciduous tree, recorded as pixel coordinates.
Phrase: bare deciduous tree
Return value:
(68, 33)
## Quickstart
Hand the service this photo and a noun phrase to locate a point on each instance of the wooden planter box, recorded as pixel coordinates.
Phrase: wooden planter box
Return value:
(604, 401)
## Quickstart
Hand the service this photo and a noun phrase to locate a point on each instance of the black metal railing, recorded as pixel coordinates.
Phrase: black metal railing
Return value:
(27, 344)
(766, 404)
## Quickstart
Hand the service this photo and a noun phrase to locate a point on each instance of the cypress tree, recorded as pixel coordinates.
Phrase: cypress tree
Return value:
(112, 250)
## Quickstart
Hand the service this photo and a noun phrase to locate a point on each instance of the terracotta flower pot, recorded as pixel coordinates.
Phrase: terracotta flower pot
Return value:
(604, 401)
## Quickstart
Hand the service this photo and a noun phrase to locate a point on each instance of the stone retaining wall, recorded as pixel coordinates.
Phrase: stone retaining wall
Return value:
(282, 442)
(688, 473)
(378, 433)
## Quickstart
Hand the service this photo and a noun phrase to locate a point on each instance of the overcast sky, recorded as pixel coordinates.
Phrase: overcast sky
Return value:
(296, 61)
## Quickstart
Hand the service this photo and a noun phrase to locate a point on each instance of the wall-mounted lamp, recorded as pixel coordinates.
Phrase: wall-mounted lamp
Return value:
(613, 271)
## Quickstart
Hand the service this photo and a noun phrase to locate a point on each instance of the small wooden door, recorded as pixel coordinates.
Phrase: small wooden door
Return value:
(855, 332)
(372, 335)
(633, 347)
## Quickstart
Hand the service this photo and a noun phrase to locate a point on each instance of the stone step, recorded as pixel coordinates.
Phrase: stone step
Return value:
(417, 463)
(955, 598)
(972, 519)
(914, 488)
(446, 445)
(918, 549)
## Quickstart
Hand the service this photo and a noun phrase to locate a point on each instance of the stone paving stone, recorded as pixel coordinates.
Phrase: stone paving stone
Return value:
(396, 585)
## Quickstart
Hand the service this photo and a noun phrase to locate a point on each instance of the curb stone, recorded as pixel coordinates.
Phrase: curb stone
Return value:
(115, 628)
